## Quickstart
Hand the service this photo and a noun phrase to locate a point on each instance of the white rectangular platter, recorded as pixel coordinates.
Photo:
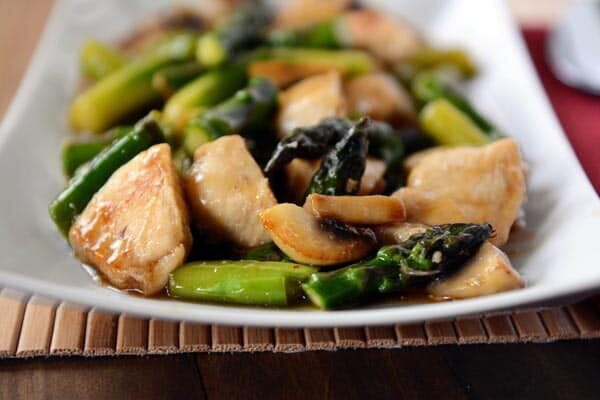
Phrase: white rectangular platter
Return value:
(560, 259)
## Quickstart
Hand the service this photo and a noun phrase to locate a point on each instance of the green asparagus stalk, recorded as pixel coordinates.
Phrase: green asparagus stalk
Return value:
(346, 62)
(428, 86)
(342, 168)
(324, 35)
(428, 58)
(127, 90)
(262, 283)
(308, 142)
(245, 113)
(76, 153)
(315, 141)
(207, 90)
(87, 182)
(98, 60)
(423, 257)
(449, 126)
(170, 79)
(244, 30)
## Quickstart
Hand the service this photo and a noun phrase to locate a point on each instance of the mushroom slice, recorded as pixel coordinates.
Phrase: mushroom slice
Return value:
(227, 190)
(387, 38)
(309, 101)
(135, 230)
(380, 97)
(467, 184)
(300, 171)
(302, 237)
(488, 272)
(362, 210)
(397, 232)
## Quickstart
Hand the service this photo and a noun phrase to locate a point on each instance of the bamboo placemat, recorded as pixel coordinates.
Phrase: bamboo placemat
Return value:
(34, 326)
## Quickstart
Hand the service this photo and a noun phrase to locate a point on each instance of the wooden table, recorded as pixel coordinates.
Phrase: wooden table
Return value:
(566, 370)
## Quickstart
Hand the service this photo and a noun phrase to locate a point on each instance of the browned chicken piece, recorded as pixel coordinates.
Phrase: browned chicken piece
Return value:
(397, 232)
(488, 272)
(309, 101)
(380, 97)
(227, 190)
(301, 237)
(295, 14)
(467, 184)
(388, 38)
(299, 173)
(360, 210)
(135, 230)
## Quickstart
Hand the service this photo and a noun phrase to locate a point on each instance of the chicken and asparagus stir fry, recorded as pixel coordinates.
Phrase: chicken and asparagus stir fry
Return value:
(315, 153)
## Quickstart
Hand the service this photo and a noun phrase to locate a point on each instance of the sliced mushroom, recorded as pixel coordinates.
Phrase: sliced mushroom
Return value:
(300, 235)
(379, 96)
(135, 230)
(362, 210)
(300, 172)
(295, 14)
(467, 184)
(226, 190)
(488, 272)
(389, 39)
(397, 232)
(309, 101)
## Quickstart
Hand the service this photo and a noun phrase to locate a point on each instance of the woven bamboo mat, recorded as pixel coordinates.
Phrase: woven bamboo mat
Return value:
(34, 326)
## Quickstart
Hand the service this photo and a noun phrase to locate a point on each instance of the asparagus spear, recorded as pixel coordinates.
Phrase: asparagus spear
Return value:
(342, 168)
(428, 86)
(244, 113)
(324, 35)
(171, 78)
(207, 90)
(421, 258)
(76, 153)
(264, 283)
(244, 30)
(308, 142)
(88, 181)
(125, 91)
(281, 63)
(428, 58)
(449, 126)
(315, 141)
(98, 60)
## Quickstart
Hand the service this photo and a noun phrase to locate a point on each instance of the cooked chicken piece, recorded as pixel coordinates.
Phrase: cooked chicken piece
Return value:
(379, 96)
(414, 159)
(309, 101)
(386, 37)
(361, 210)
(226, 190)
(488, 272)
(397, 232)
(295, 14)
(299, 173)
(301, 237)
(467, 184)
(135, 230)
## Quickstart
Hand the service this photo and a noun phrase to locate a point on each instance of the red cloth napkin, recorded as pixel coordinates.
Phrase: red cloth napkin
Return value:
(578, 112)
